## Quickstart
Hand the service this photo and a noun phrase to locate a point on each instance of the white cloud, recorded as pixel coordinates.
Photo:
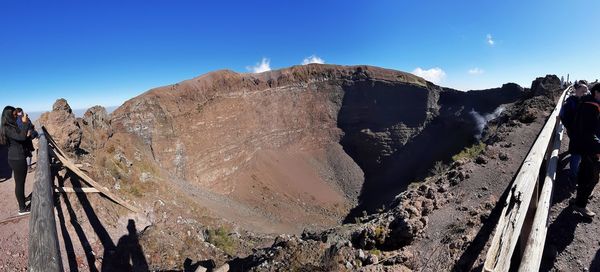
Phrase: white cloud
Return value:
(313, 59)
(262, 66)
(490, 39)
(435, 75)
(476, 71)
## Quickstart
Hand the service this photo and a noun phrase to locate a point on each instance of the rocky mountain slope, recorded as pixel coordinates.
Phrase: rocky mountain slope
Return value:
(290, 151)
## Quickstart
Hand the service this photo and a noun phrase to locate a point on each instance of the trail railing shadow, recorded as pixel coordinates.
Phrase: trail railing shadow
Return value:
(126, 255)
(560, 235)
(69, 248)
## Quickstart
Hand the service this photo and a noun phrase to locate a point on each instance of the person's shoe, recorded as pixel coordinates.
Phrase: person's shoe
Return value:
(25, 211)
(591, 196)
(585, 212)
(28, 198)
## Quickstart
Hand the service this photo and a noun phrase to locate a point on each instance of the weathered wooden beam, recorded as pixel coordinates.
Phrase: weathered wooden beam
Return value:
(516, 204)
(68, 164)
(75, 190)
(44, 251)
(532, 257)
(60, 155)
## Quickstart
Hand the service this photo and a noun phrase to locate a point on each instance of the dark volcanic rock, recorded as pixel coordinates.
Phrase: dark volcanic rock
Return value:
(548, 86)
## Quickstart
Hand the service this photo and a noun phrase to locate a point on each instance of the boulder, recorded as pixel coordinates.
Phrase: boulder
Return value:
(62, 126)
(96, 127)
(96, 117)
(548, 86)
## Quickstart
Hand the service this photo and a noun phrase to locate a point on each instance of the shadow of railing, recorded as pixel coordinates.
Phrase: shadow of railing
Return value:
(127, 255)
(88, 251)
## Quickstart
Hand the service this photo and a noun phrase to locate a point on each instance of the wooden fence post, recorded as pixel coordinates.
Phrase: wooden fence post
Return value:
(44, 251)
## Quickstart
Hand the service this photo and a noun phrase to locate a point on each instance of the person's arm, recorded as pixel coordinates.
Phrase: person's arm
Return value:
(561, 114)
(34, 133)
(21, 136)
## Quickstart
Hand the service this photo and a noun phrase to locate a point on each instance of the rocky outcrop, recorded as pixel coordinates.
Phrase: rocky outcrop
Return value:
(62, 125)
(96, 117)
(546, 86)
(96, 128)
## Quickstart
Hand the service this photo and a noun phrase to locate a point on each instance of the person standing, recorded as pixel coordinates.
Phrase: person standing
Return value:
(586, 130)
(15, 138)
(567, 117)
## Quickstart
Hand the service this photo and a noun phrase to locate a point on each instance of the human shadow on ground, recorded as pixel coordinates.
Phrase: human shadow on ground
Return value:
(5, 170)
(595, 265)
(129, 254)
(126, 255)
(563, 186)
(560, 235)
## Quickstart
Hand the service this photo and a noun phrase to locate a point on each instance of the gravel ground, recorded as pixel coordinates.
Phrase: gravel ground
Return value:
(14, 229)
(573, 243)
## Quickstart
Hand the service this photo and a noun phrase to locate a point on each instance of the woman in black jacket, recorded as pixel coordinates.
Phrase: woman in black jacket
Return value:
(15, 138)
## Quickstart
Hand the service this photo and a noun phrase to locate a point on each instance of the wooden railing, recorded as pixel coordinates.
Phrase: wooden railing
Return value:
(523, 223)
(44, 251)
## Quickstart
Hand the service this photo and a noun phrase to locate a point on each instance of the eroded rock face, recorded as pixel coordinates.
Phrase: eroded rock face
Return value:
(546, 86)
(96, 128)
(97, 118)
(62, 125)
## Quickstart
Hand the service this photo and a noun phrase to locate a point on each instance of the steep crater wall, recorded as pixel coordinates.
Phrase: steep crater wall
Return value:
(396, 132)
(288, 149)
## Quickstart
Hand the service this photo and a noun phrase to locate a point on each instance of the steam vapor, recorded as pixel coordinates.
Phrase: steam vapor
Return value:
(482, 120)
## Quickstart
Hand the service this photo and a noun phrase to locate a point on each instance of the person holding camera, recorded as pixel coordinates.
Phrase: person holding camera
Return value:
(16, 140)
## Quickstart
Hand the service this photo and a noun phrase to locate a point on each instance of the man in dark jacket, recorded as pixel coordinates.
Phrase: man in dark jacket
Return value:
(567, 117)
(586, 130)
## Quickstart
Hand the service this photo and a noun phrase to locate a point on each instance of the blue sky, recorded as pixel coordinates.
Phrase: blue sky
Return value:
(105, 52)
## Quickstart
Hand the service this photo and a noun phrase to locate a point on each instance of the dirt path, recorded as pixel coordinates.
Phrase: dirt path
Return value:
(14, 229)
(573, 243)
(461, 228)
